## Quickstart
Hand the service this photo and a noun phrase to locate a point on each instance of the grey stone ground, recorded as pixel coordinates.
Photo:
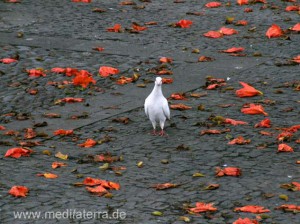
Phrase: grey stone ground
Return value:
(63, 33)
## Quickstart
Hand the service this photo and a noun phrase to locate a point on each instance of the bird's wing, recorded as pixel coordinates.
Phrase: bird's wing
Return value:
(166, 109)
(146, 106)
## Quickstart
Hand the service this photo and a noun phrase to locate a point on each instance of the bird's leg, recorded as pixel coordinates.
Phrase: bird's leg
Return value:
(153, 132)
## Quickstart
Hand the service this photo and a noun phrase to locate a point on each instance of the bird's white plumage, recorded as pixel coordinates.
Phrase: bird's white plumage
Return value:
(156, 106)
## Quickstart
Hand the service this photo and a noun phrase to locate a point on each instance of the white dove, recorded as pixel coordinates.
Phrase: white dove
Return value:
(156, 107)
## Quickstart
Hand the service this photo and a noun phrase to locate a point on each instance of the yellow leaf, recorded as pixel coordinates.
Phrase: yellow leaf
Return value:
(157, 213)
(61, 156)
(47, 152)
(50, 175)
(284, 197)
(198, 175)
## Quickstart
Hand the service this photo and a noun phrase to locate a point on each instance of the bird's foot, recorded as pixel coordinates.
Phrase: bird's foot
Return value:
(153, 132)
(163, 133)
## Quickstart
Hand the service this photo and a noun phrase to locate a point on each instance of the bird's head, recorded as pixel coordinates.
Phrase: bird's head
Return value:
(158, 81)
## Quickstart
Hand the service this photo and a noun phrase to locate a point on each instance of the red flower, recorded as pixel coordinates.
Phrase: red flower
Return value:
(213, 34)
(266, 123)
(274, 31)
(254, 109)
(83, 79)
(19, 191)
(106, 71)
(184, 23)
(285, 148)
(117, 28)
(18, 152)
(8, 60)
(252, 209)
(203, 207)
(213, 5)
(247, 91)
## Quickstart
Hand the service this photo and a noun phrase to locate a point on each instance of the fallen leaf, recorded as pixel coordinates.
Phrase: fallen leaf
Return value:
(70, 100)
(227, 31)
(233, 50)
(2, 128)
(88, 143)
(184, 218)
(205, 59)
(203, 207)
(36, 72)
(241, 23)
(239, 141)
(213, 131)
(242, 2)
(106, 71)
(57, 165)
(107, 157)
(98, 10)
(58, 70)
(124, 120)
(127, 3)
(83, 1)
(254, 109)
(29, 133)
(198, 174)
(157, 213)
(165, 60)
(140, 164)
(47, 175)
(213, 5)
(124, 80)
(83, 79)
(184, 23)
(247, 10)
(167, 80)
(99, 190)
(138, 27)
(234, 122)
(213, 34)
(178, 96)
(247, 91)
(265, 123)
(274, 31)
(164, 72)
(71, 72)
(8, 60)
(228, 171)
(292, 8)
(164, 186)
(117, 28)
(198, 95)
(296, 27)
(19, 191)
(289, 208)
(151, 23)
(63, 132)
(180, 106)
(18, 152)
(284, 148)
(283, 197)
(245, 221)
(61, 156)
(12, 1)
(285, 135)
(211, 187)
(52, 115)
(252, 209)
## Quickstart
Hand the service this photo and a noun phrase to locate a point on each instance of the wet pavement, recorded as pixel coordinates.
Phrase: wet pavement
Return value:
(48, 34)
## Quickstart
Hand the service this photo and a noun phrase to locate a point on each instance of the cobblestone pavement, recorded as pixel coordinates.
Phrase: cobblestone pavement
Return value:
(64, 33)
